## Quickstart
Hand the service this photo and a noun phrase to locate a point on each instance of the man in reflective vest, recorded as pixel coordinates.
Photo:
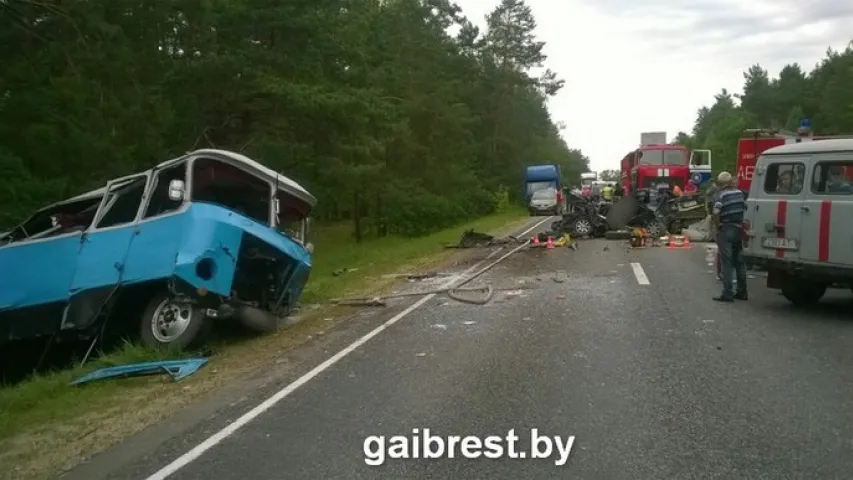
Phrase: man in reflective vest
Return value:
(607, 193)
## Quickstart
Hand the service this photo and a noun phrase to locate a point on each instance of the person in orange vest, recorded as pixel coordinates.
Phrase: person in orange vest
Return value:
(690, 187)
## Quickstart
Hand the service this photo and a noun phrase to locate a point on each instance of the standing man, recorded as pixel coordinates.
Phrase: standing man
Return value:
(607, 193)
(729, 207)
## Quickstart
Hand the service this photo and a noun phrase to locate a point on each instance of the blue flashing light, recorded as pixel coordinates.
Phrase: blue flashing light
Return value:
(806, 124)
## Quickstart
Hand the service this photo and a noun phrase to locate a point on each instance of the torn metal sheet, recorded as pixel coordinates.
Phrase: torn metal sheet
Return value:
(177, 369)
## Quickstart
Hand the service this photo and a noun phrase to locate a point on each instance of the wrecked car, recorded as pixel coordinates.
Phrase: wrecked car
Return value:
(208, 235)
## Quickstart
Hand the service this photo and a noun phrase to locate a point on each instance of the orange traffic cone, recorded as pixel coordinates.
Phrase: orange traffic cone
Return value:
(686, 244)
(671, 245)
(550, 243)
(535, 240)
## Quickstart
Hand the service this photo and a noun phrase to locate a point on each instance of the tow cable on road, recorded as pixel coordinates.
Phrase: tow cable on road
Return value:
(452, 291)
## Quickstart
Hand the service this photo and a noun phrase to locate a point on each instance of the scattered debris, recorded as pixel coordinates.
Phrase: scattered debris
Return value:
(177, 369)
(418, 276)
(362, 302)
(421, 354)
(342, 271)
(469, 322)
(440, 326)
(640, 238)
(452, 292)
(472, 239)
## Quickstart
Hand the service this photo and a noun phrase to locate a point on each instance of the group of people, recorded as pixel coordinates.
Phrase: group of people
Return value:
(598, 191)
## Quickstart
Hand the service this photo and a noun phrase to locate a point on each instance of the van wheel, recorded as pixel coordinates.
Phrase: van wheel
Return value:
(169, 322)
(803, 294)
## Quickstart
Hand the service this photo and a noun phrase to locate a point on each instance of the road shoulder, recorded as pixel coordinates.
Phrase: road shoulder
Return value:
(323, 335)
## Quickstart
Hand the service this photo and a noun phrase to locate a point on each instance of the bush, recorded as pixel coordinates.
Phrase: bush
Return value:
(500, 200)
(420, 213)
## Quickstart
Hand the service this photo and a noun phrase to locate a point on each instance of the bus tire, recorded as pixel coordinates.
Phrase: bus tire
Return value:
(168, 322)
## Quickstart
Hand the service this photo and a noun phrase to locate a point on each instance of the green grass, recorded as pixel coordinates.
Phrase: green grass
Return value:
(39, 403)
(379, 256)
(37, 400)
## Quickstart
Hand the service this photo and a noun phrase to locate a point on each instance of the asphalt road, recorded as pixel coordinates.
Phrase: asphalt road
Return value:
(651, 377)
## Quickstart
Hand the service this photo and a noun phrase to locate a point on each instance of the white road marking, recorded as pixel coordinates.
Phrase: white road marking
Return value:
(229, 429)
(640, 274)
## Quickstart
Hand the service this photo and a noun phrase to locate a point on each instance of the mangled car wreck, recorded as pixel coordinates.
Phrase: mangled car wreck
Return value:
(209, 235)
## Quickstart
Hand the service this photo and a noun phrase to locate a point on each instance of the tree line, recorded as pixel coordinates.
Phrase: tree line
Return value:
(824, 95)
(399, 115)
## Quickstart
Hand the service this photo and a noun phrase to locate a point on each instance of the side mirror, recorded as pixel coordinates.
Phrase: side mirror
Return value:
(310, 247)
(176, 190)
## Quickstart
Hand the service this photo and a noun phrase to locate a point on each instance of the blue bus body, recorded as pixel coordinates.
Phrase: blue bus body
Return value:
(200, 251)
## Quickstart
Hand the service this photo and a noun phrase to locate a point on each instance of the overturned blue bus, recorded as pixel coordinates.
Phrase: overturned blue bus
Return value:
(209, 235)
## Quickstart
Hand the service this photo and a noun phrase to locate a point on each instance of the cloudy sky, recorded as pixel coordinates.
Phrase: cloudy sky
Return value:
(649, 65)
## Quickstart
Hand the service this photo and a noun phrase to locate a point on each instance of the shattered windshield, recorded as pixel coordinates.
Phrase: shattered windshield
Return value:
(292, 215)
(231, 187)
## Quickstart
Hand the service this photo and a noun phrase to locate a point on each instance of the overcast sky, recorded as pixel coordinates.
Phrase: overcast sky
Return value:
(632, 66)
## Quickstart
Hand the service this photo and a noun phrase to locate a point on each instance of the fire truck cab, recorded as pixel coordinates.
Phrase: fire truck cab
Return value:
(653, 164)
(755, 141)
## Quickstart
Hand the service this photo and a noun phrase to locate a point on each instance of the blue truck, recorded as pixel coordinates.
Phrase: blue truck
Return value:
(541, 178)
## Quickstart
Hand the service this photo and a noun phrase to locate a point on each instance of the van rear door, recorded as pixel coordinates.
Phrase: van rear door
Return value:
(774, 207)
(827, 211)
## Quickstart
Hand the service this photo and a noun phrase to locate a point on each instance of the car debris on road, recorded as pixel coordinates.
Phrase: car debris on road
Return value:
(472, 239)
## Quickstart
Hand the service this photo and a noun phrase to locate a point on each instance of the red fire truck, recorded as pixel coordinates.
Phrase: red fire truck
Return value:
(655, 162)
(755, 141)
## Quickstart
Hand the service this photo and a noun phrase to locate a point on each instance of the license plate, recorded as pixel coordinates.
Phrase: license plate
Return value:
(689, 204)
(780, 243)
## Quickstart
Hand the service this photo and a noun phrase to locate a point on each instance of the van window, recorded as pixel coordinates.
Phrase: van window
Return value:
(784, 179)
(123, 201)
(160, 203)
(833, 178)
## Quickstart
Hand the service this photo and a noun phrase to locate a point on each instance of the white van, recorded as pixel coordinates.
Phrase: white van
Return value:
(799, 219)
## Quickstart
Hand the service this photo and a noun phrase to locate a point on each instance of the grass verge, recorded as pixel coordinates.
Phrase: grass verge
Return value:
(47, 426)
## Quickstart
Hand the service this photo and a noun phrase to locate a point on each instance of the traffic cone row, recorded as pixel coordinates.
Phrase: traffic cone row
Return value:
(549, 244)
(676, 242)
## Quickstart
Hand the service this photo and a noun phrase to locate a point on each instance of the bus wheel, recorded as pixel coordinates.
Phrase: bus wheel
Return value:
(169, 322)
